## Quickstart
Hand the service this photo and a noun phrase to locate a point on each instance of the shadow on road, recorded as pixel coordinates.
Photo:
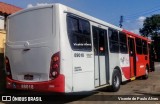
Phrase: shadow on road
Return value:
(56, 98)
(149, 94)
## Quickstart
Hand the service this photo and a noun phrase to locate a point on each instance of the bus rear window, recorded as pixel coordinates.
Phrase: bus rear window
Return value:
(79, 34)
(31, 25)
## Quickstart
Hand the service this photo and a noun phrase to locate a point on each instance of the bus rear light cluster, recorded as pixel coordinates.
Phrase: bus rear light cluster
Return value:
(8, 68)
(55, 66)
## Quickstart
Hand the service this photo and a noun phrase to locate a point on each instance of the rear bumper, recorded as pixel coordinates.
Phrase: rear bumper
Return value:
(56, 85)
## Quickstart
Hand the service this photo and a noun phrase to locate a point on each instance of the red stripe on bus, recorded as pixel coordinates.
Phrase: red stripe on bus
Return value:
(134, 34)
(126, 72)
(56, 85)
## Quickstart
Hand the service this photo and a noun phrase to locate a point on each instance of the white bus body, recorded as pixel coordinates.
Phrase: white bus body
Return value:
(42, 56)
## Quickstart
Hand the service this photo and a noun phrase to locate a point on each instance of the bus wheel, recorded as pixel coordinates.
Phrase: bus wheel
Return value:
(146, 74)
(116, 81)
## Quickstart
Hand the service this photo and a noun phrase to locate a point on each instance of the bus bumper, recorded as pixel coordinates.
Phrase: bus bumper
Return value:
(56, 85)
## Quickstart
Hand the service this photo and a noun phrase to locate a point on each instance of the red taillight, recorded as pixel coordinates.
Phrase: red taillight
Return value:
(55, 66)
(8, 68)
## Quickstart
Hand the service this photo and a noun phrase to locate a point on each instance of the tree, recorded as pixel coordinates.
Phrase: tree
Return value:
(151, 26)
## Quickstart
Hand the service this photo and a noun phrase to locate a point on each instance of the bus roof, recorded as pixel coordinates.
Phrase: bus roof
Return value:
(69, 10)
(86, 16)
(135, 35)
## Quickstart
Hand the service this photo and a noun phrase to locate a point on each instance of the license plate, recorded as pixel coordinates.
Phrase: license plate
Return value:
(26, 86)
(28, 77)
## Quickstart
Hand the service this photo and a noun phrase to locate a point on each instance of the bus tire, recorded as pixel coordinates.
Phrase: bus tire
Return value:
(116, 81)
(146, 74)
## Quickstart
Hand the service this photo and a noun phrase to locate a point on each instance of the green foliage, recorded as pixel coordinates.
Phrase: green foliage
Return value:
(151, 26)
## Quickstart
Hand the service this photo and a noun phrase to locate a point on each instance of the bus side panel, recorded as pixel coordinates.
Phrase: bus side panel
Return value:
(82, 60)
(141, 65)
(65, 49)
(122, 61)
(113, 62)
(125, 66)
(78, 71)
(83, 71)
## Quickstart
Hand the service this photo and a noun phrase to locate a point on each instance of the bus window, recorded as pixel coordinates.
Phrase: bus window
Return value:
(95, 40)
(101, 42)
(144, 47)
(113, 40)
(131, 47)
(138, 46)
(123, 42)
(79, 34)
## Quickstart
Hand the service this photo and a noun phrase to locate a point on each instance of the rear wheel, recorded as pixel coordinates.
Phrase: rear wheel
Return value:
(146, 74)
(116, 81)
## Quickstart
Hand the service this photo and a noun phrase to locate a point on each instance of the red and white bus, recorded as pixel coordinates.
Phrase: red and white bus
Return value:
(58, 49)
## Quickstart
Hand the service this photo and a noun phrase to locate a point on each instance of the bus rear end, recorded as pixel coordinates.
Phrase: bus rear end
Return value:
(32, 51)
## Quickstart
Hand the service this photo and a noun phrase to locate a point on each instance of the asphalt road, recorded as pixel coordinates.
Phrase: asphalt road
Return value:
(137, 88)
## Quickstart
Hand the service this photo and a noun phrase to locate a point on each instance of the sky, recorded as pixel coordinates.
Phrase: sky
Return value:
(134, 12)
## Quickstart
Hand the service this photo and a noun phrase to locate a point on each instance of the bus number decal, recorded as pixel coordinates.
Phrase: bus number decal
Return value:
(89, 55)
(25, 86)
(78, 54)
(77, 69)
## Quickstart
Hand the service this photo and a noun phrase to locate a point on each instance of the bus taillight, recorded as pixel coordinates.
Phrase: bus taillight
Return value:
(8, 68)
(55, 66)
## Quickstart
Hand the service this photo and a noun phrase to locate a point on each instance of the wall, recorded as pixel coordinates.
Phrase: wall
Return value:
(2, 43)
(2, 40)
(1, 24)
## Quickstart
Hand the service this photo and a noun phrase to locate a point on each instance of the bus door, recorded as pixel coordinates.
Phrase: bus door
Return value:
(151, 57)
(101, 59)
(132, 56)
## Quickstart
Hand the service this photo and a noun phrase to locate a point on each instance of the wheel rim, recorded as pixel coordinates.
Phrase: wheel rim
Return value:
(116, 81)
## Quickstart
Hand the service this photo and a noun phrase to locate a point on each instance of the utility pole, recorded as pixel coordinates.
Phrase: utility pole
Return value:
(121, 21)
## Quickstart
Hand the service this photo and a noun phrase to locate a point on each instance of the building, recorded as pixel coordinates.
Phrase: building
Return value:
(5, 10)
